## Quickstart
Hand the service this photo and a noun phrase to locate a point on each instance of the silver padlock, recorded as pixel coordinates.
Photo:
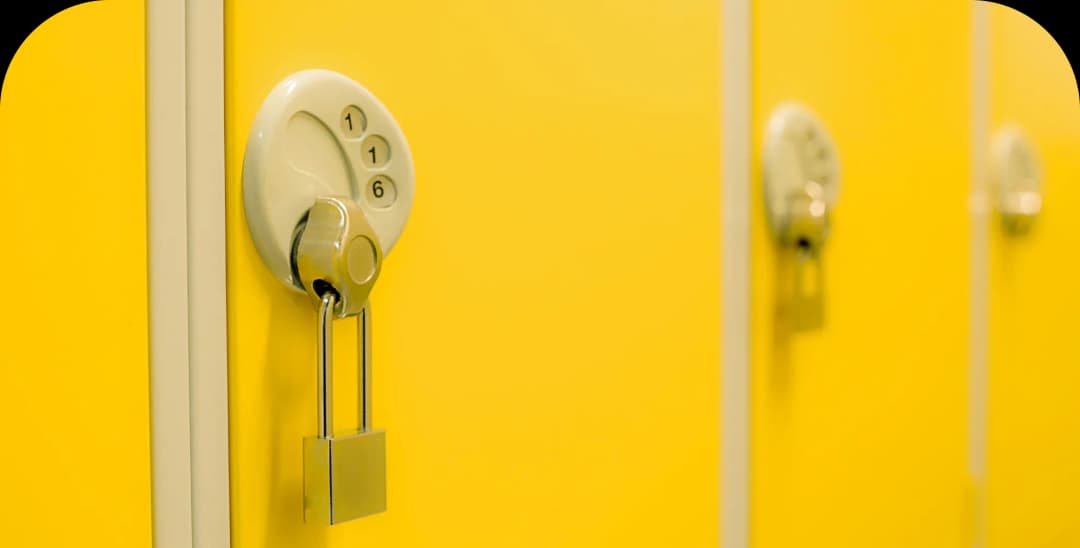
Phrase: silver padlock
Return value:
(338, 259)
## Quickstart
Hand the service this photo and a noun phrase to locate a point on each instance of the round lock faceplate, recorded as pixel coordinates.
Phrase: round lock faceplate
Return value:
(319, 133)
(798, 152)
(1017, 179)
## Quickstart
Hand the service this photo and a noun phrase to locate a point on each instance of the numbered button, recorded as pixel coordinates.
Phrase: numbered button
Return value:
(375, 151)
(353, 121)
(381, 192)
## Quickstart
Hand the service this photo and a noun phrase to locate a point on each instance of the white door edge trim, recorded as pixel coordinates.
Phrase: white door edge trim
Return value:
(166, 146)
(735, 294)
(186, 239)
(207, 327)
(978, 310)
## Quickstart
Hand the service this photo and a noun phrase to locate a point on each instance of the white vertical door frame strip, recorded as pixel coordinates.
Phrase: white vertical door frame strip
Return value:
(207, 343)
(168, 274)
(978, 333)
(186, 235)
(735, 353)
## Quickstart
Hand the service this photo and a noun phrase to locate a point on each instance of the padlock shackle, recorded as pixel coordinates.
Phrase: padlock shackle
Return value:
(363, 336)
(325, 365)
(325, 356)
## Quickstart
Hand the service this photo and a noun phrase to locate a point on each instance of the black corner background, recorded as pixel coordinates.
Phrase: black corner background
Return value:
(18, 19)
(1056, 16)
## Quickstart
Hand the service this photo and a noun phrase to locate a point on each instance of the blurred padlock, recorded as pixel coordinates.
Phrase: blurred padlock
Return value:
(805, 233)
(801, 184)
(1016, 176)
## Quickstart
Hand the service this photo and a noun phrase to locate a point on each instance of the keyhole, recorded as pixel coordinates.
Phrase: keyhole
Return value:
(322, 287)
(806, 248)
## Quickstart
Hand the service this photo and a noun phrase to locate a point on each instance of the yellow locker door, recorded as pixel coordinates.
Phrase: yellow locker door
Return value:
(546, 355)
(859, 428)
(74, 383)
(1034, 428)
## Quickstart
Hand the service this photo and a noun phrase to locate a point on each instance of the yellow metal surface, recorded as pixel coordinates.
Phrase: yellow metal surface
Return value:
(546, 361)
(859, 429)
(74, 384)
(1034, 435)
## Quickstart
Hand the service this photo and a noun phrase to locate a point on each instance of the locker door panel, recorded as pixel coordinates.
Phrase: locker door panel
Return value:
(859, 428)
(545, 331)
(1033, 431)
(74, 383)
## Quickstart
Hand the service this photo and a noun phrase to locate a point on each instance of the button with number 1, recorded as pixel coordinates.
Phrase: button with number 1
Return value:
(353, 121)
(375, 151)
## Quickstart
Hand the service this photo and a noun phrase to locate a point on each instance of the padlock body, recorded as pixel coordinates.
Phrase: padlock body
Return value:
(344, 477)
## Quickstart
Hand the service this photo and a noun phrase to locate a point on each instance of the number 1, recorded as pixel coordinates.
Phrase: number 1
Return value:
(372, 151)
(348, 118)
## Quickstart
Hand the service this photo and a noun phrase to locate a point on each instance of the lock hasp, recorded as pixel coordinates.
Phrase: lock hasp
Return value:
(319, 133)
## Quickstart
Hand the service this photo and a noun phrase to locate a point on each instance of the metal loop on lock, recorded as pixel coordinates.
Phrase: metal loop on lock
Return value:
(325, 350)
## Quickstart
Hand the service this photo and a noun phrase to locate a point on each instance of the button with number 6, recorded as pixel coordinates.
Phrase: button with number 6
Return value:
(381, 192)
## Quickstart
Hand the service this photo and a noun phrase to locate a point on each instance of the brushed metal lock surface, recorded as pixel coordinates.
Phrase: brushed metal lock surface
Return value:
(344, 476)
(338, 248)
(801, 185)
